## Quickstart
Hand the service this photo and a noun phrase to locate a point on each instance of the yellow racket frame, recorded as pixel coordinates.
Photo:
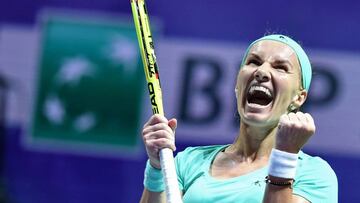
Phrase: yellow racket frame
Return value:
(146, 44)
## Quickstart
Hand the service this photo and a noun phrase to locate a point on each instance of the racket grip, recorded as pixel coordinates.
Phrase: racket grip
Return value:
(170, 178)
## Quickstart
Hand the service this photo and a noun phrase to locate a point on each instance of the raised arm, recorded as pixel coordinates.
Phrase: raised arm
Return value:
(293, 132)
(157, 133)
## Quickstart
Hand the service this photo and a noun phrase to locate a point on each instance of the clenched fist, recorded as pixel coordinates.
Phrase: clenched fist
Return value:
(158, 133)
(294, 130)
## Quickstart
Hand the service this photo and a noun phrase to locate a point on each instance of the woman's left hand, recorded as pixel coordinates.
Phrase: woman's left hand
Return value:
(294, 130)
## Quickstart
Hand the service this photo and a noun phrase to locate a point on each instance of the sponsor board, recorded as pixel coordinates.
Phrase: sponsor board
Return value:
(199, 82)
(87, 83)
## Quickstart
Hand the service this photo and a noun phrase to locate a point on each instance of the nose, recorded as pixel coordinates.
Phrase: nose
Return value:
(262, 75)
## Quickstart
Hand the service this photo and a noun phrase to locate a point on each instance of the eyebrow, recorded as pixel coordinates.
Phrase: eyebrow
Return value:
(255, 56)
(281, 61)
(277, 60)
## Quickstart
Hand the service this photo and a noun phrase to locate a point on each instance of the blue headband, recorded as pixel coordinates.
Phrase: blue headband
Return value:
(305, 66)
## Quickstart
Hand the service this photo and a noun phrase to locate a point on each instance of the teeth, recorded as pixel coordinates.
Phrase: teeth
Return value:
(260, 88)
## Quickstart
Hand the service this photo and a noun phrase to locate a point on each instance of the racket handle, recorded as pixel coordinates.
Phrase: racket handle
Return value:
(170, 178)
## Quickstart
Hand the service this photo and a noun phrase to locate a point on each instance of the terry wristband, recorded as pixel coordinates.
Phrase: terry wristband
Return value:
(153, 179)
(282, 164)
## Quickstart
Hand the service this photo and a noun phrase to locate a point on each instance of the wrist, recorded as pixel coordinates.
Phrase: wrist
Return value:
(278, 179)
(281, 182)
(287, 149)
(155, 164)
(153, 178)
(282, 164)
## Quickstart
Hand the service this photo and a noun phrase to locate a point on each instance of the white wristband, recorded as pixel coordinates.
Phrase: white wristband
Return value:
(282, 164)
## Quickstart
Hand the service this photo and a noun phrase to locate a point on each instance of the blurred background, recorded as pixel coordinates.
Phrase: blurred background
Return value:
(73, 98)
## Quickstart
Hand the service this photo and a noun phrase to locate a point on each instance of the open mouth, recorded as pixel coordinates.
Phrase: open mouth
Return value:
(259, 95)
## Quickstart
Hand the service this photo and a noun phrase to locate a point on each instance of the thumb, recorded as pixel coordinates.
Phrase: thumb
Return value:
(173, 124)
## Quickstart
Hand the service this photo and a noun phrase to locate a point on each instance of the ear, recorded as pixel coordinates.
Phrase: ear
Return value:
(299, 99)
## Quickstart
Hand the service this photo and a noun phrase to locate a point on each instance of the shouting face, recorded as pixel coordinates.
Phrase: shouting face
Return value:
(269, 83)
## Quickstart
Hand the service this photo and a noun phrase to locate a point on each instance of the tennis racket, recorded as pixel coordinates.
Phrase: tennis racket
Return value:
(144, 36)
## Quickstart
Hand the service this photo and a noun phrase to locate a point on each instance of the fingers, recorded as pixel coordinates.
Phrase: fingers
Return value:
(298, 119)
(310, 120)
(160, 143)
(157, 127)
(302, 118)
(156, 118)
(284, 119)
(158, 133)
(173, 124)
(294, 130)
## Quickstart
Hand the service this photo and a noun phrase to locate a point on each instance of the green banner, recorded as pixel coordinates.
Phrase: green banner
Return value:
(90, 83)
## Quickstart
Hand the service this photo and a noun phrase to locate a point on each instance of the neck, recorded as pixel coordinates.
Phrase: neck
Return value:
(253, 143)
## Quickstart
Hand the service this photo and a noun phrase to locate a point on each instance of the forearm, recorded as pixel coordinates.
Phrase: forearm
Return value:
(282, 169)
(280, 181)
(152, 197)
(158, 133)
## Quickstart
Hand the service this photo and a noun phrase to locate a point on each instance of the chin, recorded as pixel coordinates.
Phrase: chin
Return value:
(257, 120)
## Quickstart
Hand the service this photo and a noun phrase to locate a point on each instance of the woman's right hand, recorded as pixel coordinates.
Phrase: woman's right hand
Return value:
(158, 133)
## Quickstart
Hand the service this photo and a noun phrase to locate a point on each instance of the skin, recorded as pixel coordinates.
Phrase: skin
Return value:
(275, 66)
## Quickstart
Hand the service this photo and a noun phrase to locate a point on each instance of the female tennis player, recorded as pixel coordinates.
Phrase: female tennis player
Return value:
(265, 162)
